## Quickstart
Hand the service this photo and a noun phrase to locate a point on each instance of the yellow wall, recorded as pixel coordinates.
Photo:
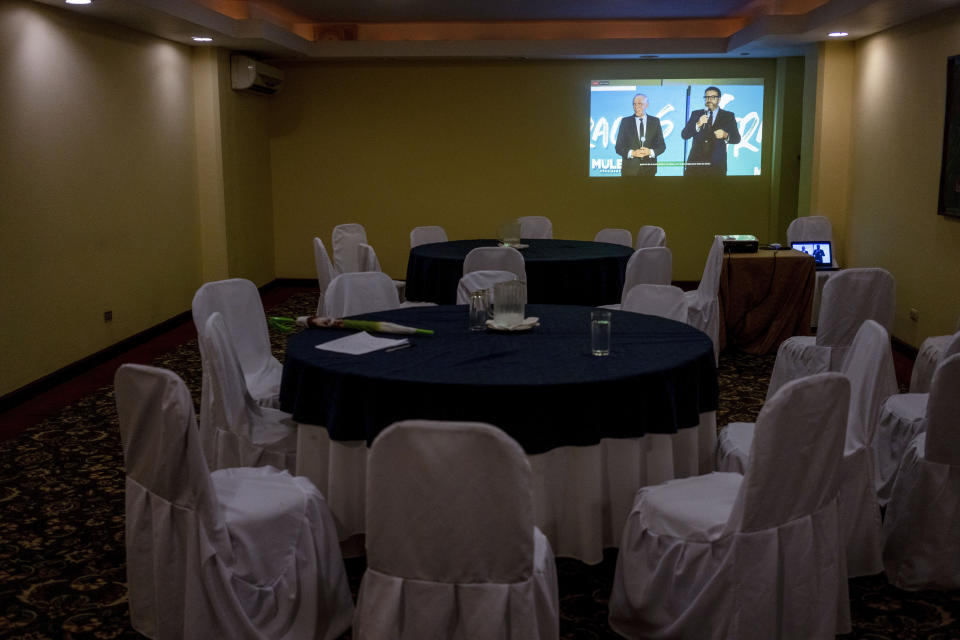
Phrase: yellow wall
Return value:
(98, 195)
(469, 144)
(897, 133)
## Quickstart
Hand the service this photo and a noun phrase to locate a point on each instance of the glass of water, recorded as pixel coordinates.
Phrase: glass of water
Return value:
(600, 332)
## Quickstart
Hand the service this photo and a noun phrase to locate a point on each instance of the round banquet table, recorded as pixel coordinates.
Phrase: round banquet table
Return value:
(558, 271)
(595, 429)
(543, 387)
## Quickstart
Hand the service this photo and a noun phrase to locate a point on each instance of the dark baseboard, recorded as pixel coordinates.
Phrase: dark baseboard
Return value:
(74, 369)
(62, 375)
(901, 347)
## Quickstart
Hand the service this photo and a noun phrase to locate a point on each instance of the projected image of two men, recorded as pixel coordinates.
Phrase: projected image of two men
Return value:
(673, 127)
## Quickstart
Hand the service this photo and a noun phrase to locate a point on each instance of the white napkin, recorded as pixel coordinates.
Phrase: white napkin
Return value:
(523, 325)
(360, 343)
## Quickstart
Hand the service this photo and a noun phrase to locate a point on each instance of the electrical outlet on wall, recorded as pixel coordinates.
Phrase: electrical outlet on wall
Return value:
(107, 316)
(914, 315)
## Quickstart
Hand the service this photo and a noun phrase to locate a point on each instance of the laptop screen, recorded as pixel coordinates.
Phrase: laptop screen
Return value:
(820, 251)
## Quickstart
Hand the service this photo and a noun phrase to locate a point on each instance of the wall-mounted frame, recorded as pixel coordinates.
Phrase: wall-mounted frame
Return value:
(949, 202)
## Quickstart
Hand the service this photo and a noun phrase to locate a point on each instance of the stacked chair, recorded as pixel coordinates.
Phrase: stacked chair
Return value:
(237, 553)
(346, 238)
(452, 551)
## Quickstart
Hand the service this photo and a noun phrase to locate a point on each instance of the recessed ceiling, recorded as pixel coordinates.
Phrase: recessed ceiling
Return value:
(329, 29)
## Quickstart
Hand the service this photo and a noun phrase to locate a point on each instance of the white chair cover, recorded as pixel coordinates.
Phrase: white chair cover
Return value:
(810, 229)
(346, 237)
(615, 236)
(452, 551)
(902, 417)
(238, 432)
(931, 352)
(581, 495)
(650, 236)
(427, 235)
(239, 302)
(325, 271)
(652, 265)
(753, 556)
(495, 259)
(239, 553)
(658, 300)
(535, 227)
(359, 292)
(849, 298)
(479, 280)
(869, 367)
(703, 304)
(367, 260)
(920, 529)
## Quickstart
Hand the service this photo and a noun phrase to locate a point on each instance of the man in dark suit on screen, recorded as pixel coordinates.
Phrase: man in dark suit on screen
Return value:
(639, 140)
(712, 129)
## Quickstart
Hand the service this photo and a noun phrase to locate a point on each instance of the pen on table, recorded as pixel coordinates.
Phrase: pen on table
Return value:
(398, 347)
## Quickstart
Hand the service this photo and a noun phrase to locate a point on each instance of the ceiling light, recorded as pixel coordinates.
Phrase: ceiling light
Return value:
(79, 1)
(202, 39)
(837, 34)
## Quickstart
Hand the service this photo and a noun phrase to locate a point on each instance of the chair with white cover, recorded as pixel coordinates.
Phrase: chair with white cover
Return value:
(351, 294)
(902, 417)
(662, 300)
(346, 237)
(650, 236)
(928, 357)
(480, 280)
(235, 431)
(651, 265)
(703, 304)
(495, 259)
(758, 555)
(237, 553)
(367, 259)
(869, 367)
(615, 236)
(325, 271)
(921, 532)
(849, 298)
(811, 229)
(452, 550)
(239, 302)
(427, 235)
(535, 227)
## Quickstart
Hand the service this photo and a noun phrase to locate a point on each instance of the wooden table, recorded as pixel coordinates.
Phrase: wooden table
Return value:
(765, 298)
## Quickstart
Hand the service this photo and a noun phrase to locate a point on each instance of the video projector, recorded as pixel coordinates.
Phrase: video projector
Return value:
(740, 244)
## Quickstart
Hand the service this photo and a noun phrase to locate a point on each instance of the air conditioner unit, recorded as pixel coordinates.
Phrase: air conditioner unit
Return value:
(247, 74)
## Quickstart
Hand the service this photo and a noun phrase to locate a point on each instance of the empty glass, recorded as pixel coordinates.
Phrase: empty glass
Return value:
(477, 308)
(600, 332)
(508, 309)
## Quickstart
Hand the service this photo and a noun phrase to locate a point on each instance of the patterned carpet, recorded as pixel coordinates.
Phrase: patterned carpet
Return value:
(62, 572)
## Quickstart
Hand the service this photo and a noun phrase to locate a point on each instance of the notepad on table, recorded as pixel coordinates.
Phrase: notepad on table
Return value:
(360, 343)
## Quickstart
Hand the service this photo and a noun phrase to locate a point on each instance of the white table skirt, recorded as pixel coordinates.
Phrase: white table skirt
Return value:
(581, 495)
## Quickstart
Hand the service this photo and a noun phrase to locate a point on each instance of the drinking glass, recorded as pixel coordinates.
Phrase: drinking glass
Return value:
(477, 306)
(600, 332)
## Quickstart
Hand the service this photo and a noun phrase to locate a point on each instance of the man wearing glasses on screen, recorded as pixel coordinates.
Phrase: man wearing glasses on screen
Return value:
(712, 129)
(639, 140)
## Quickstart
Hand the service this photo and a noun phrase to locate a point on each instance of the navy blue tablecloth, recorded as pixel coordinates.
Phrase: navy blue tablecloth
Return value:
(558, 271)
(543, 387)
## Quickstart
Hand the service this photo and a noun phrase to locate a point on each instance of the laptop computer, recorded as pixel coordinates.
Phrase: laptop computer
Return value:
(821, 251)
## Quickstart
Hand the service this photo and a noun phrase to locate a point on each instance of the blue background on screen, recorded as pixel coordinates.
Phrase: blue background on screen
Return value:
(670, 104)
